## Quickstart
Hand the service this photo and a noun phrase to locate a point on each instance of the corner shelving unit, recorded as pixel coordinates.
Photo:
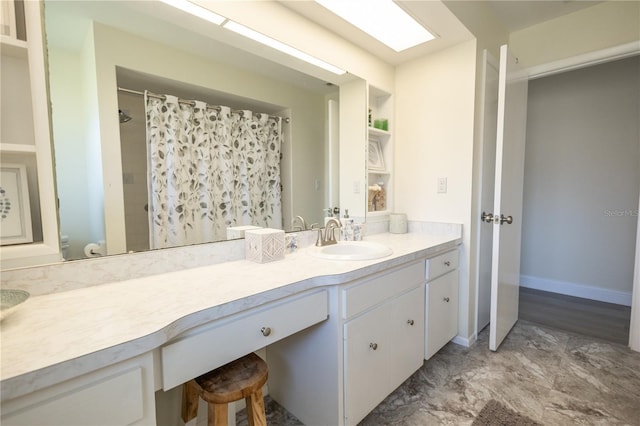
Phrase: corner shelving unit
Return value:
(380, 107)
(25, 138)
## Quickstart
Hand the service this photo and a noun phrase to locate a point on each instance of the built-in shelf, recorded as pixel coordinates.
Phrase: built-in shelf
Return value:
(380, 107)
(17, 148)
(28, 122)
(379, 132)
(13, 47)
(378, 213)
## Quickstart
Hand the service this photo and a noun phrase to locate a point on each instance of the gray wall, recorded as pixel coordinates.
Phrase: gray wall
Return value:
(582, 179)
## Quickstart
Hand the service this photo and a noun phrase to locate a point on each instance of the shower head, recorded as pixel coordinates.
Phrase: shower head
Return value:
(123, 116)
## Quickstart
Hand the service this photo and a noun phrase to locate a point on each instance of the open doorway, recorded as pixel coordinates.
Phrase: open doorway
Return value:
(582, 179)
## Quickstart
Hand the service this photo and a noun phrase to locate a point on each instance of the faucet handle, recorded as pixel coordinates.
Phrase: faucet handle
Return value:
(319, 240)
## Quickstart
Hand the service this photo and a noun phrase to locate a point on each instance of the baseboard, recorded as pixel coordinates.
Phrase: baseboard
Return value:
(576, 290)
(464, 341)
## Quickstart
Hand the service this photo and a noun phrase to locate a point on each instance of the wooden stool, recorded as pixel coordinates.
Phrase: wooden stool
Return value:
(242, 378)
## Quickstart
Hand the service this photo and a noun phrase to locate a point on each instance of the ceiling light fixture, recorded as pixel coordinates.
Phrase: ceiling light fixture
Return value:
(194, 9)
(381, 19)
(261, 38)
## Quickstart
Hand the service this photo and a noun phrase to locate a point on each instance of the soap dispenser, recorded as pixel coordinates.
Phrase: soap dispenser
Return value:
(347, 227)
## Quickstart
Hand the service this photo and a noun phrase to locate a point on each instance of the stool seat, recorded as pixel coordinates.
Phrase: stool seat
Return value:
(239, 379)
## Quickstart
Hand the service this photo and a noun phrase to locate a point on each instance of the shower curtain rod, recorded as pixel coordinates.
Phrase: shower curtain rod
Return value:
(192, 103)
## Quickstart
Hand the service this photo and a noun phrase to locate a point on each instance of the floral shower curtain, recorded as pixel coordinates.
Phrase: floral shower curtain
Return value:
(208, 170)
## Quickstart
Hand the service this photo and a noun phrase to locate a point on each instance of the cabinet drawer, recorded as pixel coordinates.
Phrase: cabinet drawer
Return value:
(442, 264)
(365, 294)
(442, 312)
(230, 339)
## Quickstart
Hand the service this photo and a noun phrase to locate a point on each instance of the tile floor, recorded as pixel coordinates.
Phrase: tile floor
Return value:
(552, 376)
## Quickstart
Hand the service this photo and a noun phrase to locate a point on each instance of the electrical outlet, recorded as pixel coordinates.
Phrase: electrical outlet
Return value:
(442, 185)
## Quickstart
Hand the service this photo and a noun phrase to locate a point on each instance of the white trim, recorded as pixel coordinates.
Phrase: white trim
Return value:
(634, 327)
(576, 289)
(464, 341)
(584, 60)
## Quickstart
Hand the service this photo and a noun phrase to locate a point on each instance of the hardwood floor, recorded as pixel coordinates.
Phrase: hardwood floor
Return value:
(605, 321)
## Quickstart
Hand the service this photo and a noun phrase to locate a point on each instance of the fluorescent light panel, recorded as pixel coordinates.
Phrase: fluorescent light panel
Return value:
(194, 9)
(383, 20)
(261, 38)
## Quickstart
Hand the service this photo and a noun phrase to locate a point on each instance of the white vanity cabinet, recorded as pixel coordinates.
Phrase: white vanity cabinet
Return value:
(336, 373)
(441, 322)
(121, 394)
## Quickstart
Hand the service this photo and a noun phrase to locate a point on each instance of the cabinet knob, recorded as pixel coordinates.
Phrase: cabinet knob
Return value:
(447, 263)
(410, 322)
(373, 346)
(265, 331)
(446, 299)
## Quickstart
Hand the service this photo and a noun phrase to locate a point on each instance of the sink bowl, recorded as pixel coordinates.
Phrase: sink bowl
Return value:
(10, 301)
(352, 250)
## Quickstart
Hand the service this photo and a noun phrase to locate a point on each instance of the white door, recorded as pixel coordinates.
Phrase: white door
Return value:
(487, 185)
(507, 213)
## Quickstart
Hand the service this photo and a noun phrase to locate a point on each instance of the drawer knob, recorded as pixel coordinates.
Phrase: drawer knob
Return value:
(373, 346)
(265, 331)
(447, 263)
(410, 322)
(446, 299)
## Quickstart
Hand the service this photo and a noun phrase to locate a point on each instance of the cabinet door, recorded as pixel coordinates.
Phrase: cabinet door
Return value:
(121, 394)
(442, 312)
(407, 336)
(366, 359)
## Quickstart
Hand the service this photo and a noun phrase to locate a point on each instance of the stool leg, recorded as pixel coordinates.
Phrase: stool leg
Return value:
(190, 395)
(255, 409)
(218, 415)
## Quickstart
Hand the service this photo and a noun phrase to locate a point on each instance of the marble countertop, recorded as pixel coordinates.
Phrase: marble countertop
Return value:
(59, 336)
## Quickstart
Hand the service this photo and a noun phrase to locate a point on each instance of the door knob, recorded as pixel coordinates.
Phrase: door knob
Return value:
(507, 219)
(487, 217)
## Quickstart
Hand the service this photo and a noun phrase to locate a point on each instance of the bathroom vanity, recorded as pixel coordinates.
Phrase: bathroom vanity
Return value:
(339, 336)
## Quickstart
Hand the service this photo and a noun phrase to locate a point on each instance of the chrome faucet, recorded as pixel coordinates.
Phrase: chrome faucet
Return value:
(329, 233)
(303, 224)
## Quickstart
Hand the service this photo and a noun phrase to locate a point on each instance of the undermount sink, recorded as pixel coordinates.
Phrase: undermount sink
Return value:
(352, 250)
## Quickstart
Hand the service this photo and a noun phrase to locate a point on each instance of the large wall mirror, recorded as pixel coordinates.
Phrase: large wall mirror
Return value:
(104, 55)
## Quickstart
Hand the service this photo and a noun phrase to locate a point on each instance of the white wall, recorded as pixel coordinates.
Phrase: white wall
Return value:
(434, 124)
(605, 25)
(68, 123)
(133, 143)
(582, 178)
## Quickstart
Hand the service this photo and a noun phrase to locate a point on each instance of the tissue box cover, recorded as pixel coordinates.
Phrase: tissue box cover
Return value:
(264, 245)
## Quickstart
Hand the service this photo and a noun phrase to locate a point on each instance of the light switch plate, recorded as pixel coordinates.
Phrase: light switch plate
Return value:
(442, 185)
